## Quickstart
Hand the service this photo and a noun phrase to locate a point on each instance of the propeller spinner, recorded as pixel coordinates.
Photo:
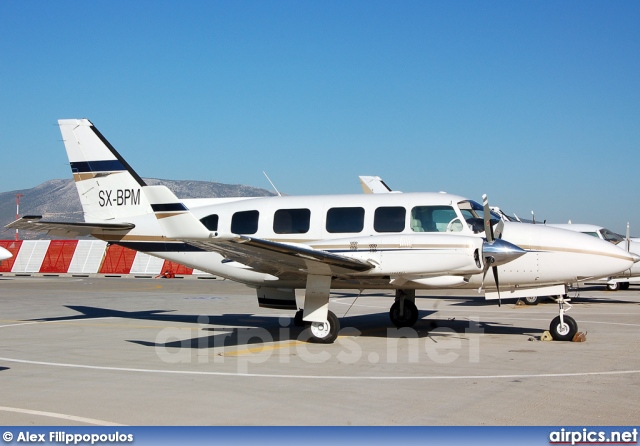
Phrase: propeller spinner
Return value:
(496, 251)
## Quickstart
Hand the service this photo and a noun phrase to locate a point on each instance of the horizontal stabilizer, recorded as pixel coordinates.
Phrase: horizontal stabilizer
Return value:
(65, 229)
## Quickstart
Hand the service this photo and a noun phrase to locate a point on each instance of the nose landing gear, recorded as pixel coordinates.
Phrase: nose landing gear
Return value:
(563, 327)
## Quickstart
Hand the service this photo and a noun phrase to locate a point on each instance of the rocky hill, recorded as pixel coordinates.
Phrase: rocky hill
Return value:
(58, 200)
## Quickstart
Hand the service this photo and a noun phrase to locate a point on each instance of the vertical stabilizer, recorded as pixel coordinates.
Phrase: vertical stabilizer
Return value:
(109, 189)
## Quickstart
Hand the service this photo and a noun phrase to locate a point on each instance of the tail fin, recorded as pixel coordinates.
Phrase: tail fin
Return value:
(109, 189)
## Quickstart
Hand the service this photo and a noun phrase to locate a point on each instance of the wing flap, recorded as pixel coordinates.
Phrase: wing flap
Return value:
(281, 258)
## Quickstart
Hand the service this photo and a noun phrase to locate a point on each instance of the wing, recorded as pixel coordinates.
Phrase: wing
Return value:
(65, 229)
(281, 259)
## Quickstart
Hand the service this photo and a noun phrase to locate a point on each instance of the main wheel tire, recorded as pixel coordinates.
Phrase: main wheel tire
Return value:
(624, 285)
(325, 332)
(409, 315)
(615, 286)
(532, 300)
(563, 332)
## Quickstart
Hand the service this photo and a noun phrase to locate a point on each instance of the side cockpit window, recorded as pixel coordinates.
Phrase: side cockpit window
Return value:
(435, 219)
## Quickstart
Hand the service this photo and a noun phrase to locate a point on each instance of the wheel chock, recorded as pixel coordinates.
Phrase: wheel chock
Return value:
(579, 337)
(546, 336)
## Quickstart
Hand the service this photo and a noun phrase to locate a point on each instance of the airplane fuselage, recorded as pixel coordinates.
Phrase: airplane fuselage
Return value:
(394, 232)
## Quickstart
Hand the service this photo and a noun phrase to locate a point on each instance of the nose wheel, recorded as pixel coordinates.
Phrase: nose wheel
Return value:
(563, 327)
(563, 330)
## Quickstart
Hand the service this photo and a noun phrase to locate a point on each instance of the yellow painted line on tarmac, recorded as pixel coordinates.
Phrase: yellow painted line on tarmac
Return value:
(262, 348)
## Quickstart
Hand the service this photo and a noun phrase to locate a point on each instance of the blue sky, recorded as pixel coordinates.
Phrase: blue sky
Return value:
(536, 103)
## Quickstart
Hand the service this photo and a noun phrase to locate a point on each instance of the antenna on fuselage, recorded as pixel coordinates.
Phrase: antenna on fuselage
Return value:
(272, 185)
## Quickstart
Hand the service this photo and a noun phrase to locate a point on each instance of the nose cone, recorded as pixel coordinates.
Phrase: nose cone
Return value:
(501, 251)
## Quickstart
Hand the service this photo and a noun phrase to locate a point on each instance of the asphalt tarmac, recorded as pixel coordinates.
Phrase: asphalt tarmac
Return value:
(124, 351)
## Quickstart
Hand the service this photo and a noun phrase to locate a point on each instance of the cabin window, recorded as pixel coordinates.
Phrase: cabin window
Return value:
(211, 222)
(435, 219)
(345, 220)
(291, 221)
(389, 219)
(245, 222)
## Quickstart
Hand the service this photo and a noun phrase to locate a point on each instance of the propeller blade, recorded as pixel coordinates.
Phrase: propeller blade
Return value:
(495, 276)
(499, 229)
(628, 238)
(488, 229)
(487, 264)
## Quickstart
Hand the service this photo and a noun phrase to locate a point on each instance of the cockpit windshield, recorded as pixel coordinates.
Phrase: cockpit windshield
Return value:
(611, 236)
(473, 213)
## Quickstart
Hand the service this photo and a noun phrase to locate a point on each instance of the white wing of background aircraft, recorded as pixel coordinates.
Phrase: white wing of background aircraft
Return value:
(404, 242)
(4, 254)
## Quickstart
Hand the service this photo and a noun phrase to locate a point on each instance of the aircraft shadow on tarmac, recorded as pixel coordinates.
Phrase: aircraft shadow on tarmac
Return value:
(479, 301)
(232, 330)
(469, 301)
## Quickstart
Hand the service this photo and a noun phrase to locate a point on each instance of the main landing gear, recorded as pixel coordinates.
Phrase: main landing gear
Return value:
(615, 286)
(320, 332)
(563, 327)
(532, 300)
(325, 332)
(403, 312)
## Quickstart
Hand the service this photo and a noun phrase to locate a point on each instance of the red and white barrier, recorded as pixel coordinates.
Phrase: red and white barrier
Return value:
(81, 257)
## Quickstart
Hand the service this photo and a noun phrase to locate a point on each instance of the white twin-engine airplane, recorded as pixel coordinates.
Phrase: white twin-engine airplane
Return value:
(276, 245)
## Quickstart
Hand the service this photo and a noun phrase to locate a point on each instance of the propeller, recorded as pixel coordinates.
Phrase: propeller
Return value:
(495, 250)
(628, 238)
